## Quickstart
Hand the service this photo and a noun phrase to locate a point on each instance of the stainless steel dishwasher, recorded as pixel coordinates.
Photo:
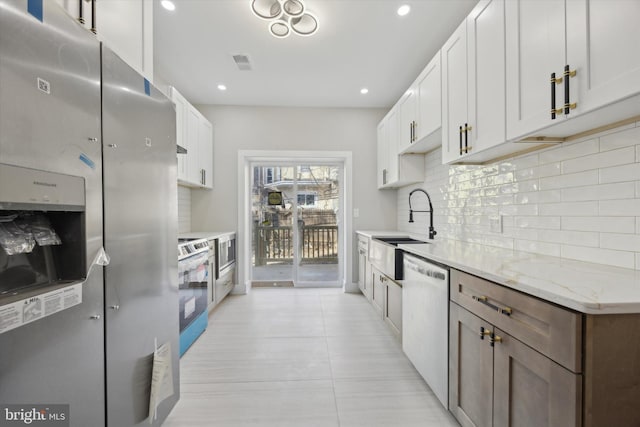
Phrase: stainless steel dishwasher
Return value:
(425, 322)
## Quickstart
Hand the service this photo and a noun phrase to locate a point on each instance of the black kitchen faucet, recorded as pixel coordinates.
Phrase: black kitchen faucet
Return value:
(432, 231)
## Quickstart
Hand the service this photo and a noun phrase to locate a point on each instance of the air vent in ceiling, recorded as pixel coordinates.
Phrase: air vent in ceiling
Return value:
(242, 61)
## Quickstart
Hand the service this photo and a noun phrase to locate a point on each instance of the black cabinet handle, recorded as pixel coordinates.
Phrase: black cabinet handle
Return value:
(568, 106)
(461, 140)
(554, 110)
(94, 27)
(466, 137)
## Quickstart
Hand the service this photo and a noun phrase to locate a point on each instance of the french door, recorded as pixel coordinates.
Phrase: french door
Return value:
(295, 212)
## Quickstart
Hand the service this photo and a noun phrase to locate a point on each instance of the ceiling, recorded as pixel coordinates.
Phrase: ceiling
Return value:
(360, 43)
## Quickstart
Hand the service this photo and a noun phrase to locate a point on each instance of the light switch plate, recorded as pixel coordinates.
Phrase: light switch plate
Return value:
(495, 223)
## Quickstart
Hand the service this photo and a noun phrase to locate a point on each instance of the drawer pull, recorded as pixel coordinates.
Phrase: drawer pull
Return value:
(493, 338)
(484, 300)
(484, 332)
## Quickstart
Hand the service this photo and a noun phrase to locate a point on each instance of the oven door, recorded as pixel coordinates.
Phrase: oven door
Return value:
(193, 275)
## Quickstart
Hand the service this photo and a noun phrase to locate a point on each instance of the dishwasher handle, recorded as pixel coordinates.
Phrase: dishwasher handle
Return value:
(424, 269)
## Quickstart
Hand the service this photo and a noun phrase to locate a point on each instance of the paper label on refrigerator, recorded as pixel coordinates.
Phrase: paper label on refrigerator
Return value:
(161, 379)
(38, 307)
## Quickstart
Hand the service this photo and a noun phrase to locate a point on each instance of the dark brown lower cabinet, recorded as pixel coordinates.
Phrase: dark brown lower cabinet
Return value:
(496, 380)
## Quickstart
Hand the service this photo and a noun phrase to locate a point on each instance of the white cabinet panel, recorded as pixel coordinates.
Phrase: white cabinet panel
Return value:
(603, 46)
(205, 153)
(454, 93)
(429, 100)
(535, 48)
(407, 120)
(193, 162)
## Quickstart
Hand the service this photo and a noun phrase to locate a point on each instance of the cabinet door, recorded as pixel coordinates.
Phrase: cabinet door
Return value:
(407, 120)
(393, 305)
(392, 147)
(377, 291)
(193, 164)
(383, 159)
(362, 272)
(454, 92)
(429, 99)
(531, 390)
(486, 75)
(470, 369)
(181, 130)
(205, 153)
(535, 48)
(603, 46)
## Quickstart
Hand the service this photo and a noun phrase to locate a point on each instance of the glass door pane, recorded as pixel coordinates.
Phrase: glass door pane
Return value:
(318, 207)
(274, 239)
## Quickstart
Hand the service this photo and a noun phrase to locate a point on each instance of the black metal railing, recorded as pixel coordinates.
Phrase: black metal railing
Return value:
(318, 244)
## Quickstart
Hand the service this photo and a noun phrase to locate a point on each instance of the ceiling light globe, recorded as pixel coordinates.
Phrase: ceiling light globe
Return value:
(167, 4)
(404, 10)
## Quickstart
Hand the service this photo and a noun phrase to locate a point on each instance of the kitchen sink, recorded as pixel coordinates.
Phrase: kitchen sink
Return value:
(395, 241)
(386, 257)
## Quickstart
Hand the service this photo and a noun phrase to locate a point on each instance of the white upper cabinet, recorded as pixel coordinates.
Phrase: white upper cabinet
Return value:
(486, 76)
(455, 94)
(395, 170)
(535, 49)
(429, 102)
(572, 66)
(603, 46)
(125, 26)
(205, 153)
(422, 111)
(473, 68)
(408, 119)
(195, 134)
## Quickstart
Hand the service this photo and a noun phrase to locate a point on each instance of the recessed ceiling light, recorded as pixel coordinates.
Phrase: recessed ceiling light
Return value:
(222, 87)
(404, 10)
(167, 4)
(364, 91)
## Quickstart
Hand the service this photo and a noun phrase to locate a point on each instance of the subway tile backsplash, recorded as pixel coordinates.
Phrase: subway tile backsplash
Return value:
(578, 200)
(184, 209)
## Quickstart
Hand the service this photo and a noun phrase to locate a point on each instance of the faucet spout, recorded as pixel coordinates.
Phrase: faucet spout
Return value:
(432, 231)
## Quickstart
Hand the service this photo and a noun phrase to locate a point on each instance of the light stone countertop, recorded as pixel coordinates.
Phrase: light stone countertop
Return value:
(581, 286)
(204, 234)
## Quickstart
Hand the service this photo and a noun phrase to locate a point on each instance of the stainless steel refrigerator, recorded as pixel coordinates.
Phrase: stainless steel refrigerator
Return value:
(70, 107)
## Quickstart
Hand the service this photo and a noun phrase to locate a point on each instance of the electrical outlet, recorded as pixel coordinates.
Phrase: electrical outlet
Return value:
(356, 212)
(495, 223)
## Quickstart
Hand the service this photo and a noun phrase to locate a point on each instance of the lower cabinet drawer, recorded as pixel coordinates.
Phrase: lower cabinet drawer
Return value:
(553, 331)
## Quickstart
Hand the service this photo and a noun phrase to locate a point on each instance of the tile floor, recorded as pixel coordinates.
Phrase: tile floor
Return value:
(301, 357)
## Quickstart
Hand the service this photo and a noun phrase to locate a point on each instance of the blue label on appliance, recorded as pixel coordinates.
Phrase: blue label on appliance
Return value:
(34, 7)
(87, 161)
(147, 87)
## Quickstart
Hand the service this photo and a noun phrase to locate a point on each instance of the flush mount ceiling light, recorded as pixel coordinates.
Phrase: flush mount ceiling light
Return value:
(222, 87)
(168, 5)
(404, 10)
(285, 17)
(364, 91)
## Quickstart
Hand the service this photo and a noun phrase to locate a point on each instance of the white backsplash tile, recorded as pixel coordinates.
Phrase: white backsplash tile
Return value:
(184, 209)
(604, 224)
(578, 200)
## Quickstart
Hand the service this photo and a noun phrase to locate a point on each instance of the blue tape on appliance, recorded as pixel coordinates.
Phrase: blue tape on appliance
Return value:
(87, 161)
(147, 87)
(34, 7)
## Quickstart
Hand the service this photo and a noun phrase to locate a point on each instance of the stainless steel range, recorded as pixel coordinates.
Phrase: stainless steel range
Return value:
(193, 276)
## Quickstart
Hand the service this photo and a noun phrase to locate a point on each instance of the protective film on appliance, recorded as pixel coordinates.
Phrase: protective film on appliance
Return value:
(19, 233)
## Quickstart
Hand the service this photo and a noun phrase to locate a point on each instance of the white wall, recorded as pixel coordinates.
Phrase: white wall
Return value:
(276, 128)
(578, 200)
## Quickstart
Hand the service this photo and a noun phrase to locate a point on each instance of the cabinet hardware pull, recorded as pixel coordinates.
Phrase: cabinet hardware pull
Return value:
(411, 132)
(467, 128)
(461, 140)
(493, 338)
(415, 131)
(484, 300)
(484, 332)
(554, 110)
(568, 106)
(94, 27)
